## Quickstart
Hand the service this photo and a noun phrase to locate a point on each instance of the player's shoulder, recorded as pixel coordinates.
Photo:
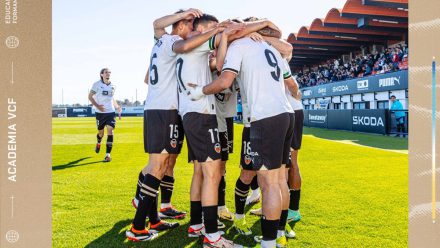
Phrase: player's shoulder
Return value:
(245, 41)
(97, 83)
(169, 38)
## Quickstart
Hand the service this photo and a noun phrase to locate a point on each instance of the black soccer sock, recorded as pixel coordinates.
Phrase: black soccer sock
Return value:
(210, 218)
(196, 213)
(166, 189)
(153, 216)
(109, 144)
(147, 196)
(98, 138)
(221, 191)
(241, 192)
(269, 228)
(283, 220)
(139, 185)
(254, 183)
(294, 199)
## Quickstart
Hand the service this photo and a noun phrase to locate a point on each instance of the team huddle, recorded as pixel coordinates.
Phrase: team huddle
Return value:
(194, 77)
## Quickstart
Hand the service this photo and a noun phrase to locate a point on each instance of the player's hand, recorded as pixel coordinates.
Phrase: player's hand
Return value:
(119, 109)
(255, 36)
(234, 28)
(225, 23)
(195, 92)
(192, 13)
(101, 108)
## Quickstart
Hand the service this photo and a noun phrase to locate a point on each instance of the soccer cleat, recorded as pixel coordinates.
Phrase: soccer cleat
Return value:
(225, 214)
(97, 147)
(162, 226)
(107, 158)
(257, 212)
(293, 216)
(253, 198)
(135, 235)
(220, 225)
(220, 243)
(195, 233)
(241, 227)
(290, 234)
(171, 213)
(281, 242)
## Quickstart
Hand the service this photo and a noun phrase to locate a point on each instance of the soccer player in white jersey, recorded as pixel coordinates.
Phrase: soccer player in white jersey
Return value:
(102, 97)
(201, 129)
(163, 131)
(260, 69)
(294, 176)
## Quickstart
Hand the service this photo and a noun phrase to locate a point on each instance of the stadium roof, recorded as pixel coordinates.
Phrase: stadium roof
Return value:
(358, 23)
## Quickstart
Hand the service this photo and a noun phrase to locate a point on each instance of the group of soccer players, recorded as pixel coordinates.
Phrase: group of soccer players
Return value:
(194, 75)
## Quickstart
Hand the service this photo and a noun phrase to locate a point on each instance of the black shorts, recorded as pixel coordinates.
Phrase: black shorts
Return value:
(163, 131)
(105, 119)
(202, 137)
(224, 145)
(230, 129)
(298, 130)
(270, 141)
(246, 159)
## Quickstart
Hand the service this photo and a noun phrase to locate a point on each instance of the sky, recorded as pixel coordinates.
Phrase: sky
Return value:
(90, 35)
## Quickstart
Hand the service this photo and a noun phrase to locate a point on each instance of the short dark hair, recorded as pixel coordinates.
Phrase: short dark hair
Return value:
(177, 23)
(102, 71)
(251, 19)
(205, 18)
(392, 96)
(237, 20)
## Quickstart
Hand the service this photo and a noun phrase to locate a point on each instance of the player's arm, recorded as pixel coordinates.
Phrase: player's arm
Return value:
(221, 51)
(293, 87)
(117, 106)
(224, 81)
(160, 24)
(263, 27)
(284, 47)
(184, 46)
(94, 103)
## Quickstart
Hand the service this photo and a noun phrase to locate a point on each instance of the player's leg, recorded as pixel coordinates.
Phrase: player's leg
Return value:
(243, 183)
(255, 195)
(148, 197)
(196, 228)
(294, 176)
(109, 143)
(223, 211)
(167, 211)
(241, 191)
(271, 205)
(100, 124)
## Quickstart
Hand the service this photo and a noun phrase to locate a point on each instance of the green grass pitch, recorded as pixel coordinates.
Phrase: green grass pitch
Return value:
(354, 194)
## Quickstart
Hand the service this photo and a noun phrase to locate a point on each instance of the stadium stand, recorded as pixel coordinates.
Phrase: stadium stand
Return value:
(349, 63)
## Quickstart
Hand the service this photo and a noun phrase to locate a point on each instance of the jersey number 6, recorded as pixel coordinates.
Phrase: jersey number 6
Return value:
(153, 71)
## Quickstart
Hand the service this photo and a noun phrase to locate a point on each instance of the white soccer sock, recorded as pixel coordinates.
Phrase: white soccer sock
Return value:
(221, 208)
(268, 243)
(280, 233)
(165, 205)
(256, 193)
(213, 236)
(197, 226)
(239, 216)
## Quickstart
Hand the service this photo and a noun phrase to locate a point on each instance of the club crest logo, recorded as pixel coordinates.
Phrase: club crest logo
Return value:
(217, 148)
(247, 159)
(173, 143)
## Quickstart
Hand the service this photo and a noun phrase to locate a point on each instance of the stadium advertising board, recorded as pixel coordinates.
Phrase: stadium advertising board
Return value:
(384, 82)
(361, 120)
